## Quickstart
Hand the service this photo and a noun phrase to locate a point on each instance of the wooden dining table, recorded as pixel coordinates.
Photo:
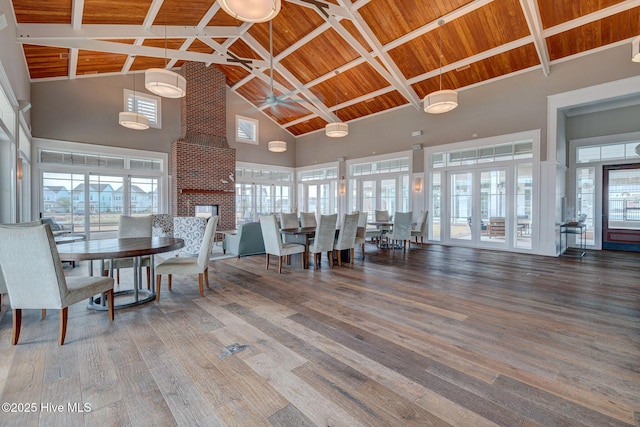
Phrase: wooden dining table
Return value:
(303, 235)
(135, 247)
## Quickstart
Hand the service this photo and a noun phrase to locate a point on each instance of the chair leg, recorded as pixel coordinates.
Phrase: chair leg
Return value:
(44, 313)
(148, 277)
(339, 256)
(169, 281)
(110, 304)
(62, 332)
(267, 261)
(200, 284)
(118, 276)
(353, 254)
(363, 251)
(206, 277)
(280, 264)
(17, 323)
(158, 281)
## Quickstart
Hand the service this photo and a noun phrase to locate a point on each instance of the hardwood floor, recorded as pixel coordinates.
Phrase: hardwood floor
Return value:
(438, 336)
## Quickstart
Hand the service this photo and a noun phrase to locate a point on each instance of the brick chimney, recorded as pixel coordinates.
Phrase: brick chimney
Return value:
(203, 165)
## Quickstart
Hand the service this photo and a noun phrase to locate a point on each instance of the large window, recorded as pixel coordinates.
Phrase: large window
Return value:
(318, 190)
(86, 188)
(261, 190)
(483, 194)
(380, 184)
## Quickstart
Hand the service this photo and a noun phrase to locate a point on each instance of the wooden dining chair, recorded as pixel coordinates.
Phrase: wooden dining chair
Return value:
(190, 265)
(42, 284)
(273, 244)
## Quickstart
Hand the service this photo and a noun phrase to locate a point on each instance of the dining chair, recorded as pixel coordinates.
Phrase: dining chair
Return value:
(421, 227)
(361, 231)
(190, 265)
(308, 219)
(3, 287)
(273, 244)
(382, 216)
(129, 227)
(347, 237)
(323, 240)
(289, 220)
(42, 285)
(401, 229)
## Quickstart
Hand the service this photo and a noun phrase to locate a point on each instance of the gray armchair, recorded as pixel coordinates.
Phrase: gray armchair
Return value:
(246, 241)
(42, 285)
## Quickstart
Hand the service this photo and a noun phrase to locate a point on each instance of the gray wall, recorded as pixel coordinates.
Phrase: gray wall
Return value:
(619, 120)
(514, 104)
(268, 131)
(86, 110)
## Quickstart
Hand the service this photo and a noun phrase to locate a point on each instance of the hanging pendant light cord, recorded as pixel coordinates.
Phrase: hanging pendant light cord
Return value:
(165, 36)
(440, 23)
(271, 56)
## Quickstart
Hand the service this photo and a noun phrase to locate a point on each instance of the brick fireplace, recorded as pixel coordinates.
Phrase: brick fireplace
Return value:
(203, 166)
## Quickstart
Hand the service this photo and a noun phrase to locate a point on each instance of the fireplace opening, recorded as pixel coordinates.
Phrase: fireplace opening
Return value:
(206, 211)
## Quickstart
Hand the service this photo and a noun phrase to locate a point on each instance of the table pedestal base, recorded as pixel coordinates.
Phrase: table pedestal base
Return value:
(144, 296)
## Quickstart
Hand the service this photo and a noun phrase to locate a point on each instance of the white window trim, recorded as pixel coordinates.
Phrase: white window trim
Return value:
(255, 122)
(155, 99)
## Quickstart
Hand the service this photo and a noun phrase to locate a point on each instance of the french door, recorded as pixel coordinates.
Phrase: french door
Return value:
(621, 207)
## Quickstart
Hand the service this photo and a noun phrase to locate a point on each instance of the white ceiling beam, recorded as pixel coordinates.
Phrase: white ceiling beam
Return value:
(595, 16)
(73, 63)
(388, 69)
(128, 49)
(304, 40)
(208, 16)
(532, 15)
(77, 10)
(330, 8)
(298, 121)
(475, 58)
(151, 14)
(107, 32)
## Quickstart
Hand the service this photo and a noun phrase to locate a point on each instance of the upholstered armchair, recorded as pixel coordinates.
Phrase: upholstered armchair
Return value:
(323, 240)
(42, 285)
(273, 244)
(190, 265)
(246, 241)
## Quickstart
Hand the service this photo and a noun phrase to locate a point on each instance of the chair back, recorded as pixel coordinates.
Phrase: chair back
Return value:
(402, 225)
(422, 222)
(271, 234)
(3, 287)
(325, 234)
(207, 242)
(191, 229)
(362, 219)
(308, 219)
(347, 235)
(135, 226)
(382, 215)
(31, 267)
(289, 220)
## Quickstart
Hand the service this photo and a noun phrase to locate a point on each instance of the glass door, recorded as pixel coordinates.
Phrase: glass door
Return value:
(462, 225)
(100, 203)
(621, 207)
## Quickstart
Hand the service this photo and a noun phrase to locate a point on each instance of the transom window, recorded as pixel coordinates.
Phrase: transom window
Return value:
(605, 152)
(490, 154)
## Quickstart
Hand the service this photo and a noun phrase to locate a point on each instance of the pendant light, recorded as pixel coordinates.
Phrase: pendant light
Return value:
(337, 129)
(163, 82)
(277, 146)
(133, 119)
(441, 101)
(251, 11)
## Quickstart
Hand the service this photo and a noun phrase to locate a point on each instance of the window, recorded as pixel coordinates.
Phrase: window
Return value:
(262, 190)
(246, 130)
(147, 105)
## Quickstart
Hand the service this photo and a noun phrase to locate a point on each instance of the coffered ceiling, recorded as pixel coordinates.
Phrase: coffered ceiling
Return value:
(339, 59)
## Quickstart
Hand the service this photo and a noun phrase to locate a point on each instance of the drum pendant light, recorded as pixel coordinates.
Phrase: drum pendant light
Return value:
(441, 101)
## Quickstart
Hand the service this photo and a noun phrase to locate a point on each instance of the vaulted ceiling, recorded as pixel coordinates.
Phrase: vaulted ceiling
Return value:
(337, 59)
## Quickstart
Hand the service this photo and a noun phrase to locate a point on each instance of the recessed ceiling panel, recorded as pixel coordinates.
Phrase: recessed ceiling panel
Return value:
(42, 12)
(307, 126)
(90, 62)
(371, 106)
(556, 12)
(123, 12)
(45, 62)
(350, 84)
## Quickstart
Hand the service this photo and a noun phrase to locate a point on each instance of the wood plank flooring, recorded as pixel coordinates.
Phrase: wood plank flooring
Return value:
(437, 336)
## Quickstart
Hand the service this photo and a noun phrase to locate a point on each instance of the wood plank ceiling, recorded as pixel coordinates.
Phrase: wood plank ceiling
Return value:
(338, 59)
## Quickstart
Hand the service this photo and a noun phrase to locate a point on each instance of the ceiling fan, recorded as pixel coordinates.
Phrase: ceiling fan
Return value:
(271, 99)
